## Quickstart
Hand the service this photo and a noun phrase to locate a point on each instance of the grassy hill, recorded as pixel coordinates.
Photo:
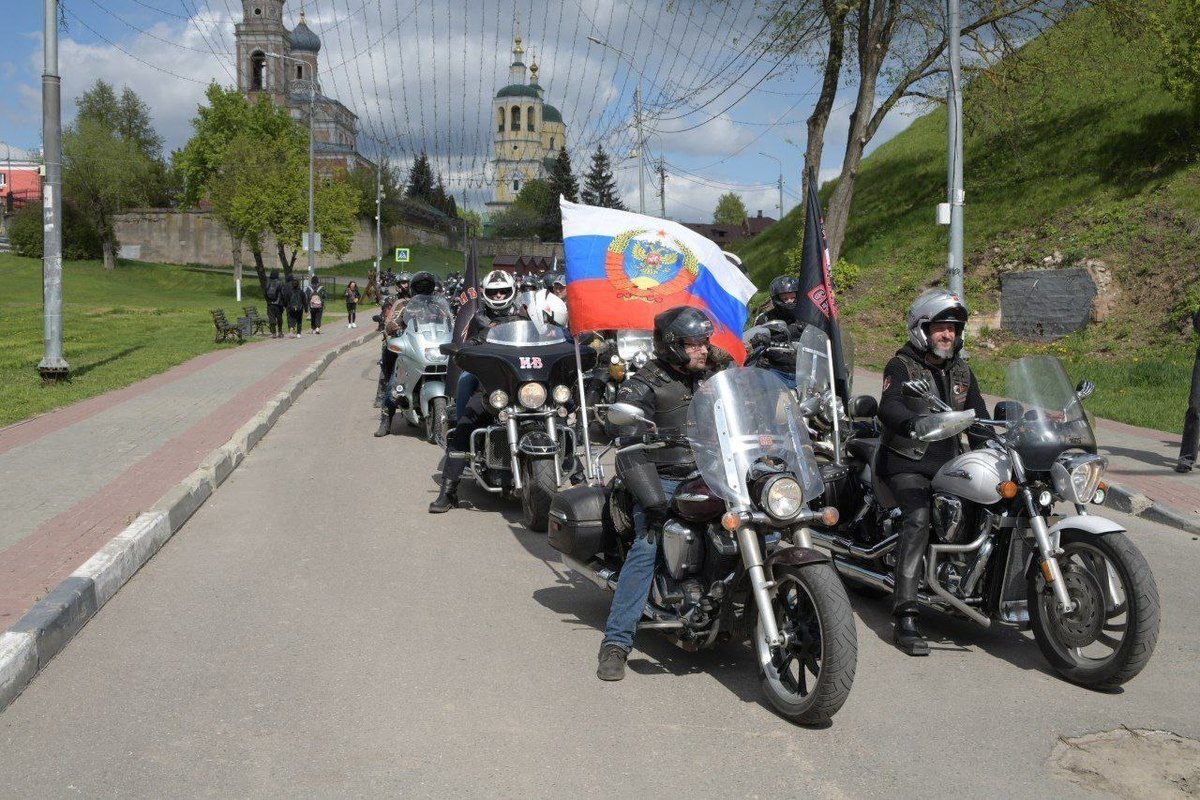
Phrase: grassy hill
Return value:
(1081, 152)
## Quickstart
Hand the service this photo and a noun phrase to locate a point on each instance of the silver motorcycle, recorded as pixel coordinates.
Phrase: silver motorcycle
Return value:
(419, 379)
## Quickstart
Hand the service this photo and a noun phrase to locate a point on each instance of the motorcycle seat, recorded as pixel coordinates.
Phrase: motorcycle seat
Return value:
(864, 449)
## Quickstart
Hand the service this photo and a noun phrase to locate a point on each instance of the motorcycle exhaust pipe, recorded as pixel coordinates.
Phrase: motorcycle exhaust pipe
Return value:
(604, 578)
(876, 580)
(843, 547)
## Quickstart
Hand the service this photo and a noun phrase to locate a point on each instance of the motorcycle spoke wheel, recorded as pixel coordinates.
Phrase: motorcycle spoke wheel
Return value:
(809, 678)
(1109, 635)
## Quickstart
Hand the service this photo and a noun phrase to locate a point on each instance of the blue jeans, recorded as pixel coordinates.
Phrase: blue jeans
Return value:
(467, 384)
(637, 573)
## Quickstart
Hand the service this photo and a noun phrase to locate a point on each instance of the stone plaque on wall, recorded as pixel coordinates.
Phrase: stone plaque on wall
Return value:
(1046, 304)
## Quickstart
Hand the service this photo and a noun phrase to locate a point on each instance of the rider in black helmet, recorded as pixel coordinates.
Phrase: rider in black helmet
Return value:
(663, 390)
(785, 289)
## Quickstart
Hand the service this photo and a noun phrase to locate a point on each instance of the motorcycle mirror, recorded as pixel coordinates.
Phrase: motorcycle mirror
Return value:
(916, 388)
(935, 427)
(1008, 409)
(1085, 389)
(449, 348)
(623, 414)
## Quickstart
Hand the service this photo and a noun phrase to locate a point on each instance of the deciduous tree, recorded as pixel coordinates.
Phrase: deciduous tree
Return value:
(730, 210)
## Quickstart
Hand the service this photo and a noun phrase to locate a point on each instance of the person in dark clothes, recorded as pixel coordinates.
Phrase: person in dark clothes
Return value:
(352, 298)
(935, 337)
(296, 303)
(274, 295)
(1191, 417)
(316, 302)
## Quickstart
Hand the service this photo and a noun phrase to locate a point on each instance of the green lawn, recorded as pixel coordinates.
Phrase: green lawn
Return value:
(119, 327)
(441, 261)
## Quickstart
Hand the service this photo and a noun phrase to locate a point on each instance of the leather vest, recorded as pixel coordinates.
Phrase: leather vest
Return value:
(673, 394)
(959, 376)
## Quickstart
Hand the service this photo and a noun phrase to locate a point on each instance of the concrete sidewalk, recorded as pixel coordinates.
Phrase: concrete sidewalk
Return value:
(1141, 463)
(74, 478)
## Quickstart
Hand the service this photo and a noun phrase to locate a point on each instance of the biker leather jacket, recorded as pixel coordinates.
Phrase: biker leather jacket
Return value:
(664, 395)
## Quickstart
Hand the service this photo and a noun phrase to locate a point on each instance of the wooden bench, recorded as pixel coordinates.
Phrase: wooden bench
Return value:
(260, 324)
(225, 330)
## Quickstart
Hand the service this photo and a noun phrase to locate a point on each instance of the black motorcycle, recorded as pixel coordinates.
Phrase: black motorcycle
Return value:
(735, 560)
(526, 372)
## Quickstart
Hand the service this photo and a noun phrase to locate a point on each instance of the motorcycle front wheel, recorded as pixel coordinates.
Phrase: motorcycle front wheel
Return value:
(538, 488)
(1111, 634)
(437, 423)
(809, 680)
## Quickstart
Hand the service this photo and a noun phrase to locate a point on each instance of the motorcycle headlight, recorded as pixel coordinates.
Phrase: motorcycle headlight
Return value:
(434, 355)
(532, 395)
(782, 497)
(498, 398)
(561, 394)
(1076, 477)
(639, 359)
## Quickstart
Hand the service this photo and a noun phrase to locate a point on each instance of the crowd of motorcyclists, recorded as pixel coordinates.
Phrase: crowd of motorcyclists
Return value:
(658, 390)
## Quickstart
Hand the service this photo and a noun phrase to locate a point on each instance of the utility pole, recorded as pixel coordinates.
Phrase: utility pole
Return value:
(378, 218)
(312, 245)
(780, 182)
(954, 177)
(662, 188)
(53, 367)
(641, 145)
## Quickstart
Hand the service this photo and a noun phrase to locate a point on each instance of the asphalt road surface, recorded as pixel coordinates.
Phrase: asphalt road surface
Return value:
(313, 632)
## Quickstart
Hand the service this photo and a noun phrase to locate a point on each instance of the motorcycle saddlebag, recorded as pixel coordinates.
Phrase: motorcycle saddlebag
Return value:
(580, 524)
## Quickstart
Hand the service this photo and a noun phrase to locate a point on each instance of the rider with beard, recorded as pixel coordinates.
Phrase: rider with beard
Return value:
(935, 336)
(423, 283)
(498, 291)
(663, 390)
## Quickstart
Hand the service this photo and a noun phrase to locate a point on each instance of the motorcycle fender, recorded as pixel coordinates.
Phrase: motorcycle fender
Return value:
(430, 390)
(796, 557)
(1087, 523)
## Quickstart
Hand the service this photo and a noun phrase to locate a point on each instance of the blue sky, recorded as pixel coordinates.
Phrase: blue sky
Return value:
(421, 75)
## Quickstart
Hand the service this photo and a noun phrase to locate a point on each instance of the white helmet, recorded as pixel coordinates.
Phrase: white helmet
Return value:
(553, 307)
(498, 289)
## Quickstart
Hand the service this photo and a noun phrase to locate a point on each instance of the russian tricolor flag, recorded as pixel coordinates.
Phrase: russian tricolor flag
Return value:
(625, 268)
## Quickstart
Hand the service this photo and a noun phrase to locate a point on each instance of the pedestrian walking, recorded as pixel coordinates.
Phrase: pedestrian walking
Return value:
(352, 298)
(316, 302)
(1191, 417)
(274, 295)
(296, 302)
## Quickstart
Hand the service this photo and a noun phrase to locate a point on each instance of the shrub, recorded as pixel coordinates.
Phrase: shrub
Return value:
(81, 240)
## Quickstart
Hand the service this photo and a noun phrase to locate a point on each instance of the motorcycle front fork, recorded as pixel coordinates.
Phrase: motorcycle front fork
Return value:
(760, 584)
(1051, 570)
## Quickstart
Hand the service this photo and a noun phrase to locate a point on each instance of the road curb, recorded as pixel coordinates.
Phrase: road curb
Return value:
(1131, 501)
(50, 624)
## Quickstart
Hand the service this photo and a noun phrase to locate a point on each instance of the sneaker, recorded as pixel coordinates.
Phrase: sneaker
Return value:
(612, 662)
(298, 334)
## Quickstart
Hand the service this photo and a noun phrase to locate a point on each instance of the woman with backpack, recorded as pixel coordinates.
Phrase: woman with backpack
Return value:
(295, 307)
(352, 298)
(316, 303)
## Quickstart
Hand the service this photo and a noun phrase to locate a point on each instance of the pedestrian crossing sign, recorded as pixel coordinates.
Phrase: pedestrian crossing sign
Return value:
(401, 255)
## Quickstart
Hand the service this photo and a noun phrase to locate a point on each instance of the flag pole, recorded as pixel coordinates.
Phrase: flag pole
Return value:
(833, 403)
(587, 440)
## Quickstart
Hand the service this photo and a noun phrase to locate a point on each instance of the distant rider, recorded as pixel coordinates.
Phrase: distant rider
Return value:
(936, 321)
(422, 284)
(663, 389)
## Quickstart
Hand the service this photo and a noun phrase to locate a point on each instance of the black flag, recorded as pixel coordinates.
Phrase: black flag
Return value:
(468, 304)
(815, 304)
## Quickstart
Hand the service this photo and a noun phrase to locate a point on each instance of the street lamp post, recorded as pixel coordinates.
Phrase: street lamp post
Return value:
(780, 163)
(53, 367)
(312, 104)
(637, 121)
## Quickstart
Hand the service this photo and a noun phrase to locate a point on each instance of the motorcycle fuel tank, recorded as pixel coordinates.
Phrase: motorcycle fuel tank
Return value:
(974, 476)
(695, 502)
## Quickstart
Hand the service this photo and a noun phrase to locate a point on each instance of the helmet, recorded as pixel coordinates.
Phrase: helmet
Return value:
(737, 262)
(784, 284)
(404, 277)
(498, 290)
(422, 283)
(672, 327)
(530, 283)
(558, 280)
(935, 305)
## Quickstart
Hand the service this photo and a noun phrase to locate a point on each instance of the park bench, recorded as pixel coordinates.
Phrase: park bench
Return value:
(260, 324)
(225, 330)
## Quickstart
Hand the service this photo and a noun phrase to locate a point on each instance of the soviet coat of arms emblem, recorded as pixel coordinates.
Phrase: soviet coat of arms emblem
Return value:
(649, 265)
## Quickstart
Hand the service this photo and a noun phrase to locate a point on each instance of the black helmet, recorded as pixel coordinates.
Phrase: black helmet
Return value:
(529, 283)
(785, 284)
(673, 327)
(422, 283)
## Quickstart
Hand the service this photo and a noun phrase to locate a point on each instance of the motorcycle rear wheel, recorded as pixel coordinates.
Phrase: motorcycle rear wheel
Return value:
(813, 678)
(538, 488)
(1110, 580)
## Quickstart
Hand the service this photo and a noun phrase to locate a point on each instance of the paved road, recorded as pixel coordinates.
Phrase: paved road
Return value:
(313, 632)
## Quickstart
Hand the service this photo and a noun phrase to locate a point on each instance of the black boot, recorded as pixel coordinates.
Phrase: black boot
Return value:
(385, 422)
(907, 636)
(448, 497)
(379, 398)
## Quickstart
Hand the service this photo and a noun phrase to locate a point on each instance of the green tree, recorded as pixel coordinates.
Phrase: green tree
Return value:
(104, 174)
(474, 221)
(562, 179)
(420, 180)
(599, 186)
(129, 118)
(730, 210)
(534, 212)
(1176, 26)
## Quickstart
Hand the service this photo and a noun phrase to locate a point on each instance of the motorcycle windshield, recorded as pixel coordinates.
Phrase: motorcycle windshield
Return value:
(522, 333)
(812, 361)
(427, 310)
(1051, 417)
(630, 342)
(741, 416)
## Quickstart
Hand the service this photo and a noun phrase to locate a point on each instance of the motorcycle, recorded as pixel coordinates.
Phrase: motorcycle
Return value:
(735, 561)
(419, 378)
(999, 550)
(624, 352)
(525, 371)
